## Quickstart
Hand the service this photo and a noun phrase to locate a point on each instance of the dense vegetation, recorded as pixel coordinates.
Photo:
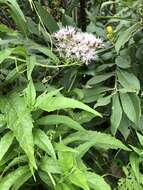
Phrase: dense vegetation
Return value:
(71, 95)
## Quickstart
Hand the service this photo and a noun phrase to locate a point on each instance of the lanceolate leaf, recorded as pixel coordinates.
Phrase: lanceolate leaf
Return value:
(116, 114)
(128, 80)
(16, 161)
(99, 78)
(5, 143)
(126, 35)
(79, 178)
(131, 106)
(22, 180)
(30, 94)
(59, 119)
(42, 141)
(17, 14)
(97, 182)
(50, 165)
(4, 54)
(9, 180)
(60, 102)
(20, 122)
(100, 140)
(47, 18)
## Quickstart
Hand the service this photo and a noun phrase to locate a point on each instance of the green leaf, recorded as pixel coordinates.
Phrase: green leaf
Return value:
(15, 161)
(5, 143)
(126, 35)
(47, 18)
(68, 21)
(128, 80)
(135, 161)
(9, 180)
(30, 94)
(140, 137)
(60, 102)
(99, 78)
(42, 141)
(45, 97)
(21, 180)
(97, 182)
(66, 161)
(123, 61)
(103, 101)
(79, 179)
(49, 165)
(14, 73)
(63, 186)
(124, 126)
(97, 139)
(5, 29)
(20, 122)
(4, 54)
(59, 119)
(131, 106)
(17, 14)
(30, 65)
(49, 53)
(116, 114)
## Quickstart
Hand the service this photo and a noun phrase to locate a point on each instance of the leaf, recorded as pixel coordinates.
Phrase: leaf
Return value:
(99, 78)
(126, 35)
(45, 97)
(9, 180)
(124, 126)
(116, 114)
(68, 21)
(140, 137)
(66, 161)
(128, 80)
(97, 182)
(47, 18)
(99, 140)
(14, 73)
(103, 101)
(59, 119)
(4, 54)
(5, 29)
(17, 14)
(82, 116)
(42, 141)
(63, 186)
(20, 122)
(50, 165)
(22, 180)
(15, 161)
(79, 179)
(131, 106)
(60, 102)
(134, 161)
(123, 61)
(30, 94)
(49, 53)
(5, 143)
(30, 65)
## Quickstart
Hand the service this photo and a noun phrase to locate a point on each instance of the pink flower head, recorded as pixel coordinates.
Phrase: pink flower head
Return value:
(78, 45)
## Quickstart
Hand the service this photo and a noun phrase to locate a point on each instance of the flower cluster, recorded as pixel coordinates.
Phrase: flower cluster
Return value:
(78, 45)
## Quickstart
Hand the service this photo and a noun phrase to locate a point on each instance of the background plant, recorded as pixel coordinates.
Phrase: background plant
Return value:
(64, 125)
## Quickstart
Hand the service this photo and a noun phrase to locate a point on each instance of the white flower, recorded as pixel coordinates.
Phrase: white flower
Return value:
(78, 45)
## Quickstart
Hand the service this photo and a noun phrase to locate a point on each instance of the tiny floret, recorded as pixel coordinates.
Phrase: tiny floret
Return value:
(81, 46)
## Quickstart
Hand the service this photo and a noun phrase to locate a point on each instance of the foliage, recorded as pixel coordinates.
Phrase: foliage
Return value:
(65, 125)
